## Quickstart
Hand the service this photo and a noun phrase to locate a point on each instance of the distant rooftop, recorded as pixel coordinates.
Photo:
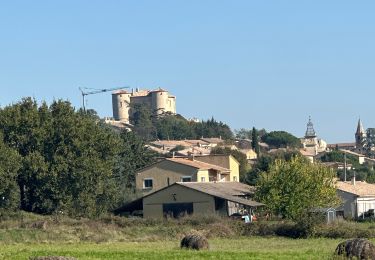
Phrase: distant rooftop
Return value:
(198, 164)
(361, 188)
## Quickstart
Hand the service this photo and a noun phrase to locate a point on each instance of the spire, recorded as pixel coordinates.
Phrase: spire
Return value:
(360, 135)
(360, 129)
(310, 132)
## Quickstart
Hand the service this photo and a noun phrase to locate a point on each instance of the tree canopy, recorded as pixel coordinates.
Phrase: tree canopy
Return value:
(281, 139)
(67, 158)
(174, 127)
(293, 188)
(9, 165)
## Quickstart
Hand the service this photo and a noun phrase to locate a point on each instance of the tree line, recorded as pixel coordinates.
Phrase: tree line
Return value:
(174, 127)
(54, 158)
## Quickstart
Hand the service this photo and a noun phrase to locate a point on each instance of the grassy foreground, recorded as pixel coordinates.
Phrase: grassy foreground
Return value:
(23, 235)
(241, 248)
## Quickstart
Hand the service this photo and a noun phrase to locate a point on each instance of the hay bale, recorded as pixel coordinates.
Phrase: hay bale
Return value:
(194, 241)
(359, 248)
(52, 258)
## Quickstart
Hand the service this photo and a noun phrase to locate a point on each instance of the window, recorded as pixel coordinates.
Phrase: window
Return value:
(234, 178)
(147, 183)
(186, 179)
(203, 179)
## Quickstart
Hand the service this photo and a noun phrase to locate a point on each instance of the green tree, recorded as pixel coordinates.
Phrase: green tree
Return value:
(173, 127)
(255, 141)
(264, 163)
(67, 157)
(143, 119)
(9, 165)
(292, 189)
(281, 139)
(339, 156)
(212, 128)
(243, 133)
(133, 155)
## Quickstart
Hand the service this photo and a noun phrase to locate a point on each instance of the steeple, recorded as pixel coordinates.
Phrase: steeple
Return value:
(310, 132)
(360, 135)
(360, 129)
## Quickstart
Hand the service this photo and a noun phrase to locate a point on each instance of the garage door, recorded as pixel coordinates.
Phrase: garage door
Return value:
(177, 210)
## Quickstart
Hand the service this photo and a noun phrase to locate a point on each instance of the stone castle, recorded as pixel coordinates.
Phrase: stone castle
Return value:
(159, 101)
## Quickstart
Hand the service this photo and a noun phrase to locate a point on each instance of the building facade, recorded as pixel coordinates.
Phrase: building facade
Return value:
(209, 168)
(312, 145)
(358, 198)
(159, 101)
(197, 198)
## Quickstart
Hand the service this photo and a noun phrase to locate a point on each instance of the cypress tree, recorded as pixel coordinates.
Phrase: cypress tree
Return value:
(254, 141)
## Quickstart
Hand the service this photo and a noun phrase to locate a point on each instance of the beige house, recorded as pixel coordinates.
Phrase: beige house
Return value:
(358, 198)
(194, 169)
(250, 154)
(199, 198)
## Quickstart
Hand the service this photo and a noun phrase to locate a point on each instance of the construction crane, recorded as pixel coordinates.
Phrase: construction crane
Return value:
(94, 91)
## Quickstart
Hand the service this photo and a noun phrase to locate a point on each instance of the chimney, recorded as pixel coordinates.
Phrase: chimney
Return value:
(353, 180)
(173, 154)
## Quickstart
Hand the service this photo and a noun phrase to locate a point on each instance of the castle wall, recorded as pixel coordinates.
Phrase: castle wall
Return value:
(159, 102)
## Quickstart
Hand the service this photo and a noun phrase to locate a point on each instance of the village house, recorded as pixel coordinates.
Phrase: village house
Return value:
(358, 199)
(338, 165)
(211, 168)
(249, 153)
(198, 198)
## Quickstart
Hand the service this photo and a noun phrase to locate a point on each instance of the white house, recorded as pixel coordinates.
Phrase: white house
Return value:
(358, 198)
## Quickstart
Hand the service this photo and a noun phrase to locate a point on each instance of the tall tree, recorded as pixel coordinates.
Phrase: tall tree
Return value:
(143, 119)
(9, 165)
(255, 141)
(133, 155)
(292, 189)
(67, 157)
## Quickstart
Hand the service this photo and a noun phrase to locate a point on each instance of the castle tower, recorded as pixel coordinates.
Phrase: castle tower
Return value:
(121, 105)
(162, 101)
(360, 136)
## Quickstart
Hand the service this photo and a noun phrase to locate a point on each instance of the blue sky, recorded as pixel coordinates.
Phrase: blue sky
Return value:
(268, 64)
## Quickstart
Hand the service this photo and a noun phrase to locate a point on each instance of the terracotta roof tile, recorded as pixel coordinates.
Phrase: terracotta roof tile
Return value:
(198, 164)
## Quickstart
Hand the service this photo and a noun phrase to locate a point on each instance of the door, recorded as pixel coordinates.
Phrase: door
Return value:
(177, 210)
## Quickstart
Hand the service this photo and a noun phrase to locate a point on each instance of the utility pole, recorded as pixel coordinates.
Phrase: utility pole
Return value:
(85, 93)
(344, 166)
